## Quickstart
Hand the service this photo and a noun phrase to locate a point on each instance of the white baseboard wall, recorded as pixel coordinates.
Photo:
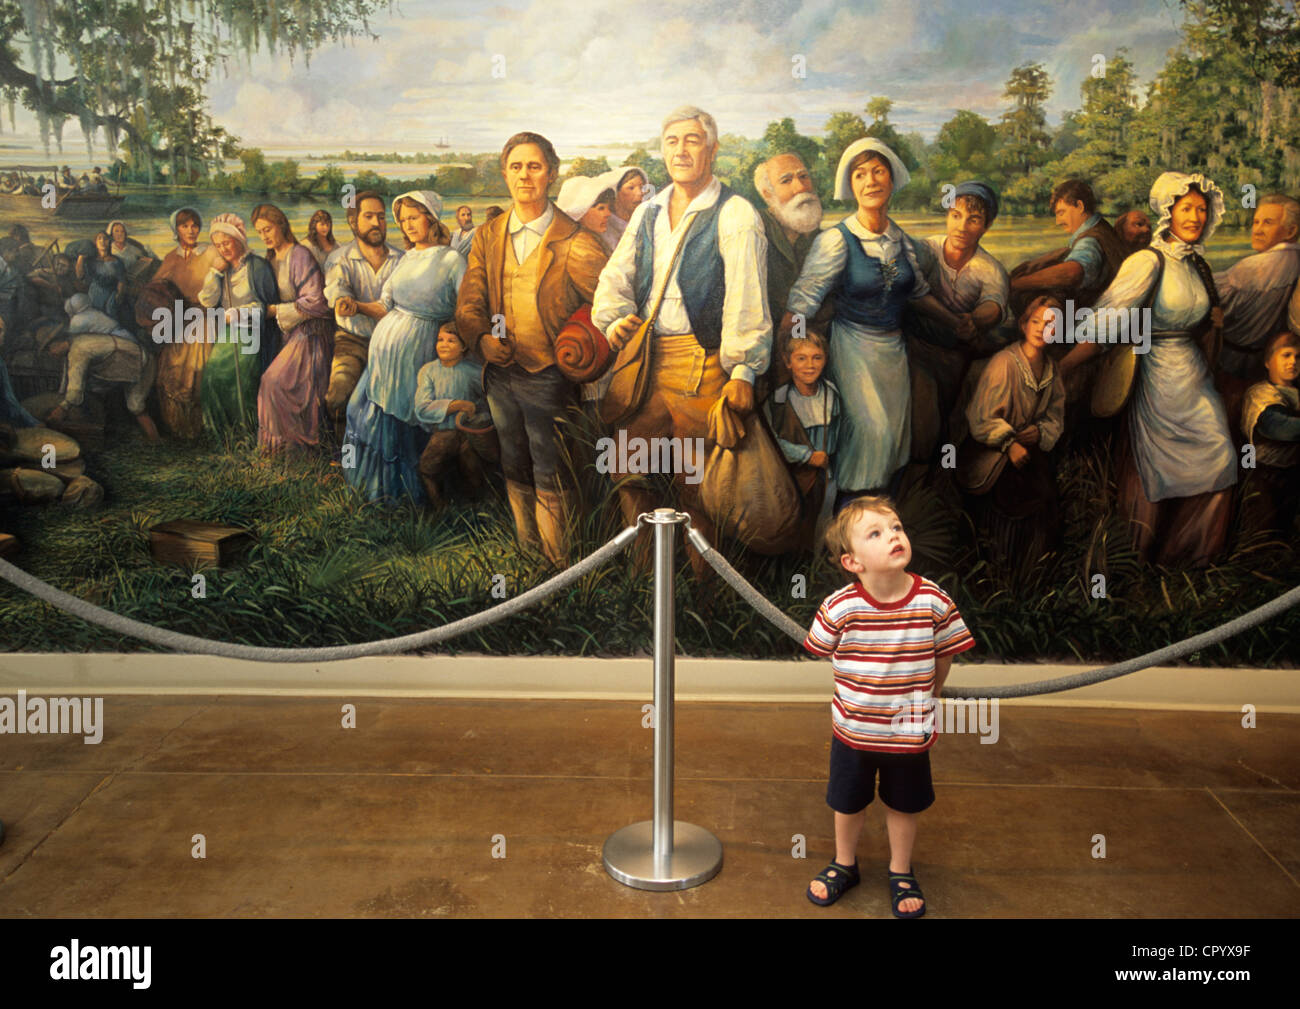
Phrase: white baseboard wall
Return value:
(556, 677)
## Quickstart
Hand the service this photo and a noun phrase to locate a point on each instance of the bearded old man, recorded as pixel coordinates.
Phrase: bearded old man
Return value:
(791, 220)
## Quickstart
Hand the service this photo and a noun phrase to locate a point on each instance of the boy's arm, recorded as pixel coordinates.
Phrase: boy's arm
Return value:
(950, 637)
(942, 666)
(824, 634)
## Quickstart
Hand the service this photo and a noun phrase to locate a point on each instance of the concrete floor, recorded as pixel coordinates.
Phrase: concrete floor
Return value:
(397, 817)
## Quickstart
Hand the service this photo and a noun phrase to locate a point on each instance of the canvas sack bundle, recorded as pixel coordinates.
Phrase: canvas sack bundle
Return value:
(747, 489)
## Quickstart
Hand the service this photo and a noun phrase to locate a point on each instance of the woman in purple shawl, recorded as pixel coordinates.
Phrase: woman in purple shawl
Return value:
(290, 400)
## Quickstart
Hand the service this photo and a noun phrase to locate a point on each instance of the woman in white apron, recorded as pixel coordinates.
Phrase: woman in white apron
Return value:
(1176, 479)
(870, 266)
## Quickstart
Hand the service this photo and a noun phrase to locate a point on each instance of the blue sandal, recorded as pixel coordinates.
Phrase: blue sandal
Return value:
(837, 879)
(899, 893)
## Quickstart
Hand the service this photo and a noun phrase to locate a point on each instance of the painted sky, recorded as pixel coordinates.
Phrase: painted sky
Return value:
(606, 71)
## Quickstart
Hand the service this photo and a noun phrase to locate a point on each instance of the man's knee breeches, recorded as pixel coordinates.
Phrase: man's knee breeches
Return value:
(350, 356)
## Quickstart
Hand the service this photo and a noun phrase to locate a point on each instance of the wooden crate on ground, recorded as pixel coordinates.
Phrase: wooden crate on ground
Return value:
(191, 543)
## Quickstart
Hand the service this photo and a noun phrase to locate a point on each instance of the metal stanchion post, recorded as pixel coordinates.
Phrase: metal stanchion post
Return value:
(663, 853)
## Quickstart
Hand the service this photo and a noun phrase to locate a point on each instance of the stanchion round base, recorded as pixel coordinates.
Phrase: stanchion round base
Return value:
(629, 857)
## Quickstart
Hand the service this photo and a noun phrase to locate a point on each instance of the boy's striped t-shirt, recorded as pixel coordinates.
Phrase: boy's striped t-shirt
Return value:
(883, 658)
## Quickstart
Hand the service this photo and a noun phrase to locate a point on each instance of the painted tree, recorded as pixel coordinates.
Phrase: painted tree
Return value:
(586, 167)
(1226, 102)
(842, 128)
(139, 68)
(878, 109)
(1023, 127)
(965, 147)
(1106, 131)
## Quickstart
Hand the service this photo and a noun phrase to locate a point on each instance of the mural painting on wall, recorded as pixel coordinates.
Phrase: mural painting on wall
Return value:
(331, 328)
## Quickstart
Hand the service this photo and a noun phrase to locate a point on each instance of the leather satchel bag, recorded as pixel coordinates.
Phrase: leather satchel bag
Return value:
(1114, 382)
(629, 378)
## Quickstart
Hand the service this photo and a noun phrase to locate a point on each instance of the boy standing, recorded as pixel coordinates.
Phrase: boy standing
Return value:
(891, 636)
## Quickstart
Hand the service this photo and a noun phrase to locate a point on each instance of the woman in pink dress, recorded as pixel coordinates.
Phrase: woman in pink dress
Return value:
(290, 401)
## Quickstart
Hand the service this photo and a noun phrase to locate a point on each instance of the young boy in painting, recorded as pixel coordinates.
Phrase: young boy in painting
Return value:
(890, 636)
(805, 416)
(444, 388)
(1270, 420)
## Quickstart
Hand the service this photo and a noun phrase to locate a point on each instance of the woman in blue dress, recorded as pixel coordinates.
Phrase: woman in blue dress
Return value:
(381, 449)
(870, 266)
(106, 276)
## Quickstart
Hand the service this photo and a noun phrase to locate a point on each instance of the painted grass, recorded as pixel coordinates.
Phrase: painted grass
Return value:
(327, 568)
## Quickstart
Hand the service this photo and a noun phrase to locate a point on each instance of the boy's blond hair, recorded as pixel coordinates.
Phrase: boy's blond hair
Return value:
(810, 336)
(837, 533)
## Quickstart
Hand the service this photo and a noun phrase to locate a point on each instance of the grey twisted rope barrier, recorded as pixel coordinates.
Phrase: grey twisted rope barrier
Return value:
(1178, 650)
(189, 643)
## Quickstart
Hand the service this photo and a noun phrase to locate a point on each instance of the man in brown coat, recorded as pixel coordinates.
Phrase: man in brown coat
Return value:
(529, 271)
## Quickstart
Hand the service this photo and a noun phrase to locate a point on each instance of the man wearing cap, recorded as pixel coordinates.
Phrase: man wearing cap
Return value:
(967, 280)
(355, 274)
(528, 272)
(713, 334)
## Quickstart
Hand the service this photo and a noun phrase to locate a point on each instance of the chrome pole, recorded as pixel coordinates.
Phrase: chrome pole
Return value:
(663, 853)
(664, 670)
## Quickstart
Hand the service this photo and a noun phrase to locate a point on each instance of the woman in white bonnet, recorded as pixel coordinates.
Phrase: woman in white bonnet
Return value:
(241, 280)
(870, 266)
(631, 188)
(1178, 467)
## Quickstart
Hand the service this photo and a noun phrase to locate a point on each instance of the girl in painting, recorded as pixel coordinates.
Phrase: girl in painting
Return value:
(127, 249)
(290, 401)
(1016, 417)
(245, 280)
(417, 299)
(1179, 467)
(320, 236)
(105, 277)
(631, 189)
(870, 266)
(180, 364)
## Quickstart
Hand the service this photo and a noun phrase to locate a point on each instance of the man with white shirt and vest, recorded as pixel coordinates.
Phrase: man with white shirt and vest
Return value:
(713, 334)
(355, 275)
(528, 272)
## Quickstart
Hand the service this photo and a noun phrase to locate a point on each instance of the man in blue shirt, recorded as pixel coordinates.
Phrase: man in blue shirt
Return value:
(1088, 263)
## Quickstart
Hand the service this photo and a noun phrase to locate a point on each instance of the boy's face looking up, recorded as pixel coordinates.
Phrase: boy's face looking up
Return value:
(877, 545)
(966, 224)
(806, 361)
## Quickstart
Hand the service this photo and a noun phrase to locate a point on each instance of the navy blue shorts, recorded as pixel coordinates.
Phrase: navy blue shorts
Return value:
(905, 784)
